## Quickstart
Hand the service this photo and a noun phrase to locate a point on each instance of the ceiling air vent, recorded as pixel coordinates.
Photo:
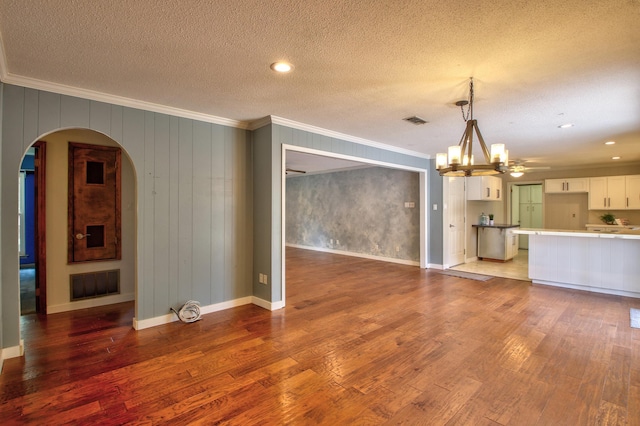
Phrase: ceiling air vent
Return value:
(415, 120)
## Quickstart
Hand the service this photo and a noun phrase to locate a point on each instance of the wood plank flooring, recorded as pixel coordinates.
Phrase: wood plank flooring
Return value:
(359, 342)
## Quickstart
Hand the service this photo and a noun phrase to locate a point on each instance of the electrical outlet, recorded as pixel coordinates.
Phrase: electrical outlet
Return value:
(337, 242)
(265, 279)
(397, 249)
(331, 241)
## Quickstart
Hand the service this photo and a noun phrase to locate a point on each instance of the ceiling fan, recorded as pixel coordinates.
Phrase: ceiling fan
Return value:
(518, 167)
(288, 170)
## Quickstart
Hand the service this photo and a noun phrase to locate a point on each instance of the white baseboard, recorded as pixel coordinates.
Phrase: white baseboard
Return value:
(11, 352)
(90, 303)
(171, 317)
(625, 293)
(435, 266)
(471, 259)
(271, 306)
(361, 255)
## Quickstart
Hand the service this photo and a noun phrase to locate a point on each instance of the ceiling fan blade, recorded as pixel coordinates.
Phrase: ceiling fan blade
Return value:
(287, 170)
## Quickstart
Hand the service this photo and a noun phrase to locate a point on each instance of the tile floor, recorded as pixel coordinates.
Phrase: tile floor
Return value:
(517, 268)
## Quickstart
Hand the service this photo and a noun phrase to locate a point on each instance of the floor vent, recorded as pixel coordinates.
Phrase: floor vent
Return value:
(94, 284)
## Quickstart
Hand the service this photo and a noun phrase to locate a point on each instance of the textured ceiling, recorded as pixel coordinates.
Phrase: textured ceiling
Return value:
(360, 66)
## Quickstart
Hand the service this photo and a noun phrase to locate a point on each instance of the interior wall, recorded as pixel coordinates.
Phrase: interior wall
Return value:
(194, 199)
(58, 270)
(358, 211)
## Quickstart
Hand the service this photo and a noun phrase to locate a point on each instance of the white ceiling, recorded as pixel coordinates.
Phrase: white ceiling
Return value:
(361, 66)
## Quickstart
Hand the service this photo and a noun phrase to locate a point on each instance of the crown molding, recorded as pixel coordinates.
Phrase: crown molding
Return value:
(93, 95)
(272, 119)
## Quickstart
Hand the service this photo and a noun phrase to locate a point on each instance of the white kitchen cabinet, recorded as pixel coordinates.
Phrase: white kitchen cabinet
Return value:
(552, 186)
(485, 188)
(607, 193)
(632, 187)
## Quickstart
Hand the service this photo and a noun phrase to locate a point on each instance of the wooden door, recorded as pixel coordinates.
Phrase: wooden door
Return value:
(94, 203)
(40, 214)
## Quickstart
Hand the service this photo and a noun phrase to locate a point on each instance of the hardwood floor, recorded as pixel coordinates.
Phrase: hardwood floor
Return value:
(359, 342)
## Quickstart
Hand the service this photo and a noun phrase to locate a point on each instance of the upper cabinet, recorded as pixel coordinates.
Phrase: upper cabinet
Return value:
(485, 188)
(632, 187)
(614, 193)
(552, 186)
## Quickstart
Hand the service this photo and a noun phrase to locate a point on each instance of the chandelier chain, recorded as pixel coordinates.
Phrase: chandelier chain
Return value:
(465, 117)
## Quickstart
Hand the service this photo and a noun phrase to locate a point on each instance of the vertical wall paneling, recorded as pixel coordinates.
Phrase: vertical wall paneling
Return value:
(115, 132)
(185, 211)
(48, 112)
(229, 233)
(30, 118)
(12, 137)
(74, 112)
(100, 117)
(262, 210)
(161, 219)
(276, 176)
(218, 230)
(202, 193)
(174, 209)
(147, 191)
(435, 237)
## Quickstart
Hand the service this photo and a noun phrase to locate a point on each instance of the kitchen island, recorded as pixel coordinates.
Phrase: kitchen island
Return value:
(496, 242)
(585, 260)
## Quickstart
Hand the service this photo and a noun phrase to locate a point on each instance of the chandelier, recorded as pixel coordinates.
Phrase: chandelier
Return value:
(459, 160)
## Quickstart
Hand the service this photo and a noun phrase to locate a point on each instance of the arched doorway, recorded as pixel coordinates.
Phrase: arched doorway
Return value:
(57, 277)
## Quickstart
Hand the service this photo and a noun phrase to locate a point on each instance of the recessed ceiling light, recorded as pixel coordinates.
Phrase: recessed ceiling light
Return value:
(615, 158)
(565, 126)
(610, 143)
(282, 67)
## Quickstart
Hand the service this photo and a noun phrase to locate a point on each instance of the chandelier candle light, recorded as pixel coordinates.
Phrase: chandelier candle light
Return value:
(459, 161)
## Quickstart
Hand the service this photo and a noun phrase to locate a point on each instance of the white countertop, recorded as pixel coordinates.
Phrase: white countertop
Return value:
(603, 225)
(623, 234)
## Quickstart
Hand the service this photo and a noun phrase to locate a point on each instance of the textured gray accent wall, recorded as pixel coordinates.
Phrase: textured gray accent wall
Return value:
(358, 211)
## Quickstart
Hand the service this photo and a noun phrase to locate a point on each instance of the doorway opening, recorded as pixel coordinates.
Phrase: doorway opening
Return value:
(341, 243)
(527, 208)
(46, 275)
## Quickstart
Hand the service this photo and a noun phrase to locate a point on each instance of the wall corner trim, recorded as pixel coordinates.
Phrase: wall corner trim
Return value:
(11, 352)
(271, 306)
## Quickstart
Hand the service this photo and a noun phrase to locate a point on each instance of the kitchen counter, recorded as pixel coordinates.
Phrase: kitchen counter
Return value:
(497, 225)
(496, 242)
(585, 260)
(630, 234)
